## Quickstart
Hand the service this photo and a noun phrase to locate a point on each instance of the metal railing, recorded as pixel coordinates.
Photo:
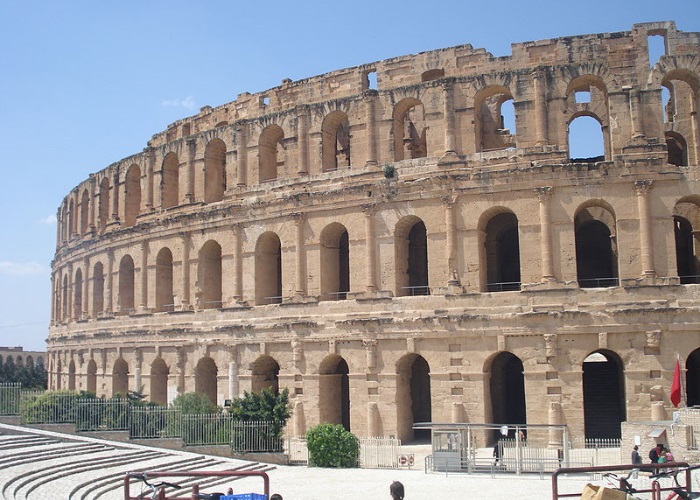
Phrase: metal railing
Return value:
(155, 422)
(102, 415)
(598, 282)
(416, 290)
(506, 286)
(375, 453)
(10, 398)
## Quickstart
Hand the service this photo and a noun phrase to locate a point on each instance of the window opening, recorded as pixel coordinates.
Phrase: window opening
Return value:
(582, 96)
(667, 104)
(370, 82)
(586, 140)
(656, 44)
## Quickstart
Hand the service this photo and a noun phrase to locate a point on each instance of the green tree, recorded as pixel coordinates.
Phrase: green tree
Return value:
(190, 403)
(331, 445)
(264, 406)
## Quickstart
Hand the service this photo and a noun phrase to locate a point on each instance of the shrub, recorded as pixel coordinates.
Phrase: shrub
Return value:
(264, 406)
(330, 445)
(191, 403)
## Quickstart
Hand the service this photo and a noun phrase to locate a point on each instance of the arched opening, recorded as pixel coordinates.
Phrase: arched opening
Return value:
(335, 142)
(334, 391)
(495, 119)
(98, 290)
(71, 375)
(132, 193)
(164, 281)
(126, 285)
(78, 295)
(265, 372)
(268, 269)
(103, 215)
(205, 375)
(586, 141)
(209, 276)
(686, 261)
(214, 171)
(413, 397)
(271, 153)
(159, 382)
(120, 378)
(692, 378)
(681, 118)
(92, 377)
(603, 395)
(596, 252)
(410, 130)
(84, 212)
(507, 391)
(502, 253)
(335, 262)
(29, 362)
(170, 181)
(677, 149)
(411, 247)
(72, 218)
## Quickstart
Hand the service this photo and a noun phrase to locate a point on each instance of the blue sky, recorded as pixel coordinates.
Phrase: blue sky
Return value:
(86, 83)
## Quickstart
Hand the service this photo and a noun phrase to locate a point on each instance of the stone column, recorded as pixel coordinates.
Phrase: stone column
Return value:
(303, 139)
(645, 233)
(452, 272)
(448, 115)
(149, 177)
(87, 278)
(237, 263)
(115, 197)
(180, 362)
(233, 389)
(544, 194)
(555, 418)
(299, 419)
(371, 257)
(634, 114)
(458, 412)
(695, 130)
(143, 305)
(71, 293)
(91, 206)
(191, 151)
(109, 285)
(300, 255)
(541, 128)
(370, 96)
(373, 425)
(185, 300)
(241, 156)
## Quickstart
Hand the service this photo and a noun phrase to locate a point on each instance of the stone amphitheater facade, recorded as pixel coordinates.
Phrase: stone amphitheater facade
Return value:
(375, 240)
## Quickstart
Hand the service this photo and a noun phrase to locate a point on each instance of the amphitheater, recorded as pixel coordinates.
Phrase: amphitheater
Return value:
(376, 240)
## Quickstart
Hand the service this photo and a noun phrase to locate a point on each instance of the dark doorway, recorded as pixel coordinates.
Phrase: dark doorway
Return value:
(603, 395)
(507, 390)
(692, 378)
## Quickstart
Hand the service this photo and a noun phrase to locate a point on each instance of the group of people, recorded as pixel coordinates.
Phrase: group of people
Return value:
(659, 454)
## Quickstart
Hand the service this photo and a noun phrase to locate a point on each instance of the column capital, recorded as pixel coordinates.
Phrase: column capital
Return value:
(544, 193)
(369, 209)
(643, 186)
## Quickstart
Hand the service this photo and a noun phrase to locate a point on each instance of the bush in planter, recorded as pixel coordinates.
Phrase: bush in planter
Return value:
(330, 445)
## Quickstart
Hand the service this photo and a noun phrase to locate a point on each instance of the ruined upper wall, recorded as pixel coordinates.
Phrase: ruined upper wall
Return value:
(626, 51)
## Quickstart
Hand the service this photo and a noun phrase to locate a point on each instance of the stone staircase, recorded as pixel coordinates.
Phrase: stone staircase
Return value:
(37, 464)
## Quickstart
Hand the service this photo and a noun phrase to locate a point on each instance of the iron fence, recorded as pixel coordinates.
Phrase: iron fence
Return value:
(153, 422)
(102, 415)
(375, 453)
(10, 398)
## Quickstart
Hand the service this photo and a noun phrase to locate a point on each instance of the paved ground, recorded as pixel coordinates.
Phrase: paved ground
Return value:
(39, 465)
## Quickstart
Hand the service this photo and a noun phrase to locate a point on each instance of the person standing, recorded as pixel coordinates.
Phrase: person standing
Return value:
(636, 457)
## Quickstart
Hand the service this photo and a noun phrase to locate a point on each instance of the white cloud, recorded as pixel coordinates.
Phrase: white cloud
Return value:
(187, 102)
(49, 219)
(20, 268)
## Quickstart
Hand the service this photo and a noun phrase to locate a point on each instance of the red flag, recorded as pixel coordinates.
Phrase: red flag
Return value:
(676, 385)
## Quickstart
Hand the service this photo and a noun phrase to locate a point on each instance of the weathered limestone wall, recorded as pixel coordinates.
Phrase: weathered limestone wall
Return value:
(390, 255)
